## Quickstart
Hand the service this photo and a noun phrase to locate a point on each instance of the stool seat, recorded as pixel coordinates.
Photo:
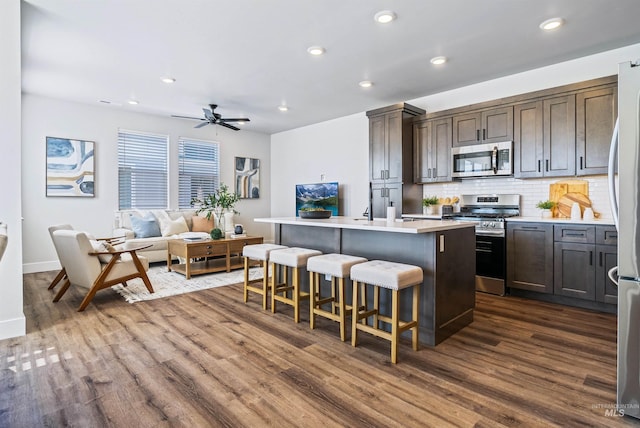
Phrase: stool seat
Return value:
(338, 265)
(395, 276)
(293, 256)
(260, 251)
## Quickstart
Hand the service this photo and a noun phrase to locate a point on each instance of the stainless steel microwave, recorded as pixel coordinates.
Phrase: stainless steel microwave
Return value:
(483, 160)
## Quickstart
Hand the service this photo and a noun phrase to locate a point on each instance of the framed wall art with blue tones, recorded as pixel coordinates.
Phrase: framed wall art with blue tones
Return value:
(317, 195)
(70, 167)
(247, 178)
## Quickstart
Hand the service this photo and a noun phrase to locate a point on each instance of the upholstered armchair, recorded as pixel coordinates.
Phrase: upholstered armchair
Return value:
(95, 270)
(62, 274)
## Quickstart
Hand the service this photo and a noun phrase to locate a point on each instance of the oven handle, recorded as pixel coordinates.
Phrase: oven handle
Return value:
(497, 233)
(481, 250)
(494, 159)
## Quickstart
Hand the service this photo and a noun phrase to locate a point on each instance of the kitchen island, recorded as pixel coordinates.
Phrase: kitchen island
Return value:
(445, 250)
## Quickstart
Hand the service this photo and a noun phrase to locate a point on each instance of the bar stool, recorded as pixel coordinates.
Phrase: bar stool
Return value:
(292, 258)
(337, 266)
(394, 276)
(259, 252)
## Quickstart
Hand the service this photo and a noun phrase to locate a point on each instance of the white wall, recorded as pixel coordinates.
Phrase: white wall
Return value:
(44, 117)
(12, 320)
(341, 145)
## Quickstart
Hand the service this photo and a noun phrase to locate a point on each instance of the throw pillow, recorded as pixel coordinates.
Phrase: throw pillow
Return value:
(175, 227)
(201, 224)
(146, 227)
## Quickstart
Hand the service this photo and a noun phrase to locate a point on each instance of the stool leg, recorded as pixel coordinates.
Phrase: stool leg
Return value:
(296, 295)
(273, 287)
(313, 278)
(246, 279)
(341, 305)
(333, 295)
(363, 299)
(355, 312)
(376, 306)
(265, 284)
(416, 307)
(395, 308)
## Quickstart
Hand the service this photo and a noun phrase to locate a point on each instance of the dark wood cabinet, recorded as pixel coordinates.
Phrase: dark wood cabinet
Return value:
(488, 126)
(559, 136)
(391, 159)
(596, 113)
(574, 270)
(530, 256)
(528, 150)
(432, 150)
(607, 258)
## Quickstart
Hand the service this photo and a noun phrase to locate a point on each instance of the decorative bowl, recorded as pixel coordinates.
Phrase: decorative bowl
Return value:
(315, 214)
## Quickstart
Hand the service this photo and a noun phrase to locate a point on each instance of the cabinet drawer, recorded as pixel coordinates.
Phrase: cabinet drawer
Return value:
(236, 247)
(571, 233)
(209, 249)
(606, 235)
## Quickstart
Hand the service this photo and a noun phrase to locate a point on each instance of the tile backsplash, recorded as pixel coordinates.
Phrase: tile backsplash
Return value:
(531, 191)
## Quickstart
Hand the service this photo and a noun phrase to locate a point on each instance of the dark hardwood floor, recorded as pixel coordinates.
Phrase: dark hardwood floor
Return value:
(207, 359)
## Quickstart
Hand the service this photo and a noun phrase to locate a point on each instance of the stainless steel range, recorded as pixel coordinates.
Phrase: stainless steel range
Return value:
(488, 212)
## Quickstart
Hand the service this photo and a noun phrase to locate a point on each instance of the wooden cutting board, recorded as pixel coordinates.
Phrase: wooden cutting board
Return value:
(561, 188)
(567, 200)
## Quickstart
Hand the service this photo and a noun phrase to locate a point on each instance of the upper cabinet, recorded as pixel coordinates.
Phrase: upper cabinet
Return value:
(432, 150)
(596, 113)
(487, 126)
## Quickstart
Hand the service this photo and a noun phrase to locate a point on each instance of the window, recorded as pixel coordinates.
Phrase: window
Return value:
(142, 170)
(199, 170)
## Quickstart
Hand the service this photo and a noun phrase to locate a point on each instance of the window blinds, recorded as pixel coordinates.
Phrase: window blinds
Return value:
(199, 169)
(142, 170)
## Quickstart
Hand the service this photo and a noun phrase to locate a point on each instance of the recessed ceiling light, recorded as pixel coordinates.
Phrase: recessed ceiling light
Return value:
(316, 50)
(283, 108)
(385, 16)
(366, 83)
(133, 102)
(438, 60)
(552, 24)
(168, 79)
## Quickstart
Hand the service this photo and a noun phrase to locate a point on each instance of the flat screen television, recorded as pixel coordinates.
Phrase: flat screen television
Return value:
(317, 195)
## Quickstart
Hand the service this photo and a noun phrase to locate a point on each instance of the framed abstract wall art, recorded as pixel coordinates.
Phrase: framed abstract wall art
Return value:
(248, 178)
(70, 167)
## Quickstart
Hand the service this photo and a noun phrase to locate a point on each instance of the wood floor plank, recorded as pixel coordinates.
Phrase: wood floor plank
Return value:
(208, 359)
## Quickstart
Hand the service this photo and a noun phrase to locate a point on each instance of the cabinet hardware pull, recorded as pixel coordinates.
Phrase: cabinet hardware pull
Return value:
(484, 134)
(580, 162)
(429, 173)
(477, 135)
(547, 163)
(600, 257)
(539, 161)
(530, 227)
(590, 258)
(580, 234)
(434, 173)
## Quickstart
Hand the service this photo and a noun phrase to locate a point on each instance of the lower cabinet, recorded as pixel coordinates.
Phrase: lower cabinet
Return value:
(577, 260)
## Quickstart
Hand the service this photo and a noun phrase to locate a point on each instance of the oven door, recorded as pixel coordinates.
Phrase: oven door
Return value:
(490, 263)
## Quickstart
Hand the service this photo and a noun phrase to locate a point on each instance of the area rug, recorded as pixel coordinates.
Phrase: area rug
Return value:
(167, 283)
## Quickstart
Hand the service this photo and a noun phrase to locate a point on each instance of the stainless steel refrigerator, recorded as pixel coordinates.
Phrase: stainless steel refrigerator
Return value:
(627, 214)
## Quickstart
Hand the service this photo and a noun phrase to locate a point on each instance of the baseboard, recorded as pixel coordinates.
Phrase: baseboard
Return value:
(13, 328)
(40, 267)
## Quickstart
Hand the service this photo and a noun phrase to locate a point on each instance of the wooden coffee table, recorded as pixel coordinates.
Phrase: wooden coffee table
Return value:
(209, 255)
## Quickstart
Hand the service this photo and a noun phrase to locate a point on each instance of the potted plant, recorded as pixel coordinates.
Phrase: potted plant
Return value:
(430, 203)
(546, 207)
(217, 203)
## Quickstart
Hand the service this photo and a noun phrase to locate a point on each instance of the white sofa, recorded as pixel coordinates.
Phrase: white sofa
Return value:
(170, 226)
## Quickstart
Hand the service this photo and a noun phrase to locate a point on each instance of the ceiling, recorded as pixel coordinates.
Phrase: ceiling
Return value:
(250, 56)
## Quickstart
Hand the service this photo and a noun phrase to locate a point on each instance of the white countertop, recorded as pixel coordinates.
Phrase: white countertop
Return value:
(597, 221)
(379, 225)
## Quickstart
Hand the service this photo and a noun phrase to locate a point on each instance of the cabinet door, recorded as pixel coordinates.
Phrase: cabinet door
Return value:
(596, 113)
(394, 145)
(383, 195)
(421, 139)
(440, 150)
(559, 136)
(606, 290)
(377, 148)
(574, 270)
(530, 256)
(497, 125)
(527, 140)
(466, 129)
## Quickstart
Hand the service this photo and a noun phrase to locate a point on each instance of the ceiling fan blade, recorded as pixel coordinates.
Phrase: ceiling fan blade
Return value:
(208, 114)
(187, 117)
(200, 125)
(237, 119)
(226, 125)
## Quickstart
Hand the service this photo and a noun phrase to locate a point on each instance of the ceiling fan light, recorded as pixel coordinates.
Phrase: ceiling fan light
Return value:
(385, 16)
(438, 60)
(316, 50)
(283, 108)
(551, 24)
(168, 80)
(366, 84)
(133, 102)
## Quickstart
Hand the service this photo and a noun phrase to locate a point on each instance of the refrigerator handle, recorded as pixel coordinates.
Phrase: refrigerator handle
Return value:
(613, 275)
(613, 154)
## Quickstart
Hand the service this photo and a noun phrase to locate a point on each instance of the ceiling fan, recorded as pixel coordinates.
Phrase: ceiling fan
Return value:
(213, 118)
